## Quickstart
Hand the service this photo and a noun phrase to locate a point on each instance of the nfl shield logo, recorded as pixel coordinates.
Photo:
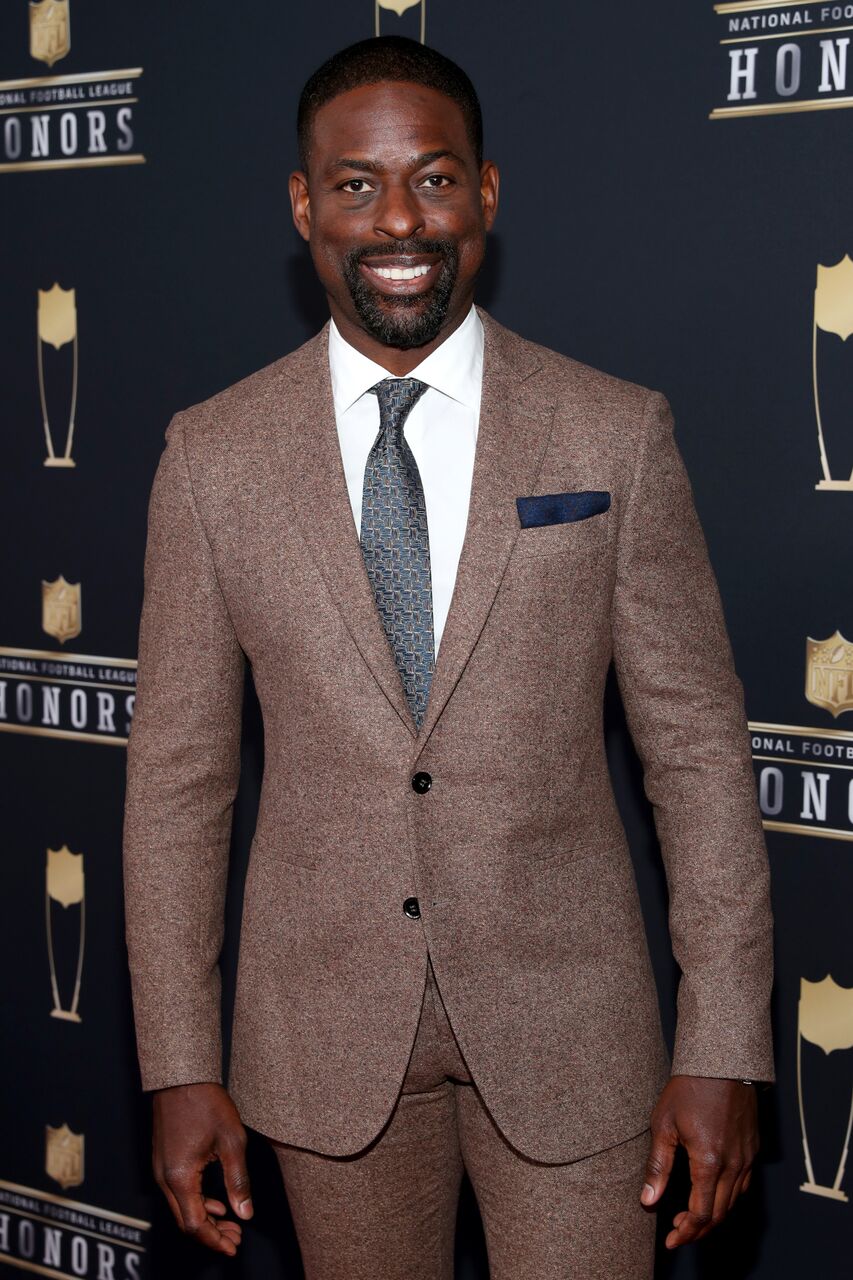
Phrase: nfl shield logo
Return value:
(50, 30)
(829, 673)
(60, 609)
(64, 1156)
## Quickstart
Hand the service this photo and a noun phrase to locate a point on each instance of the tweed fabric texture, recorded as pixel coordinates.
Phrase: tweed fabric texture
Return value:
(517, 853)
(395, 541)
(390, 1210)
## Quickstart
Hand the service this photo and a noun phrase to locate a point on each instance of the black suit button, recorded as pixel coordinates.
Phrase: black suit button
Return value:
(422, 783)
(412, 908)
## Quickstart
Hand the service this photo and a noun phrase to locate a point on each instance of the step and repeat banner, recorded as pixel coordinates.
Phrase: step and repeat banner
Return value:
(677, 208)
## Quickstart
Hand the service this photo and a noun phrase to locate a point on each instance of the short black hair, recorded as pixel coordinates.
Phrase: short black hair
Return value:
(387, 58)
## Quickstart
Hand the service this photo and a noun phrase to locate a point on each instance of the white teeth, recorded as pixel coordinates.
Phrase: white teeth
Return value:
(400, 273)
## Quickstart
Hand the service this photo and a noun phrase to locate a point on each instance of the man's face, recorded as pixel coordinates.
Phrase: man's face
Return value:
(396, 211)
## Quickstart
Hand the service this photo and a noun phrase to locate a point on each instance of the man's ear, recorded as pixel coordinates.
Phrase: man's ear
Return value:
(489, 185)
(300, 203)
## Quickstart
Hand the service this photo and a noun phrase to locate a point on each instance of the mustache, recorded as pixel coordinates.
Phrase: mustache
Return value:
(414, 245)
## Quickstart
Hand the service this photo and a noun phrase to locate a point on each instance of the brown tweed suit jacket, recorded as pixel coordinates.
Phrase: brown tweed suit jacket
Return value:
(517, 852)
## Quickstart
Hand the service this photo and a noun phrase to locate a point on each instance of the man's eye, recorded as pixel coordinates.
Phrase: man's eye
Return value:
(437, 180)
(355, 186)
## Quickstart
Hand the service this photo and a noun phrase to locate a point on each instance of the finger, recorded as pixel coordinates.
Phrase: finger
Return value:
(704, 1176)
(233, 1157)
(736, 1188)
(723, 1196)
(185, 1186)
(658, 1166)
(678, 1219)
(233, 1230)
(203, 1228)
(740, 1185)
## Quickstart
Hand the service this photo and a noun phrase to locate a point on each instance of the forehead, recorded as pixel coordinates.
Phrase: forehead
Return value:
(390, 120)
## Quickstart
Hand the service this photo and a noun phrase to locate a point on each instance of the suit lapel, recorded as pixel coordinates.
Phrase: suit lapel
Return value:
(318, 494)
(515, 424)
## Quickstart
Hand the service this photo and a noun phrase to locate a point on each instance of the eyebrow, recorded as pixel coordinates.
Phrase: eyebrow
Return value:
(371, 166)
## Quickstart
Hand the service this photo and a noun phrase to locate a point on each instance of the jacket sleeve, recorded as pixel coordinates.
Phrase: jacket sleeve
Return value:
(685, 709)
(183, 765)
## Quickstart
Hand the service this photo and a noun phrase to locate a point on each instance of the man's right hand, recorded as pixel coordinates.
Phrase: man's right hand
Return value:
(195, 1124)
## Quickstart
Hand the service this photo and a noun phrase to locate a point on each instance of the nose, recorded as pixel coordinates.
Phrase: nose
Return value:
(398, 215)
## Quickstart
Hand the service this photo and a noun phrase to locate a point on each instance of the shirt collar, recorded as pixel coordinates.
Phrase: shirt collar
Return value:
(455, 368)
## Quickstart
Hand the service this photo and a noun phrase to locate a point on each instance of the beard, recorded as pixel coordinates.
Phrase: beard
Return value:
(400, 321)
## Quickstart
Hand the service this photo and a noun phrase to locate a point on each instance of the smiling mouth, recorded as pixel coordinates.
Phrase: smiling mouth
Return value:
(399, 274)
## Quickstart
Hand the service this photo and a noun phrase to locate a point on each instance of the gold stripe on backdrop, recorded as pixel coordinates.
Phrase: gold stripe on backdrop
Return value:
(804, 731)
(740, 6)
(8, 651)
(779, 108)
(63, 733)
(82, 77)
(795, 828)
(89, 163)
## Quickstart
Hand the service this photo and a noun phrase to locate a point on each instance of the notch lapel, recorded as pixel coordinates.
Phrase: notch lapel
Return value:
(318, 494)
(515, 424)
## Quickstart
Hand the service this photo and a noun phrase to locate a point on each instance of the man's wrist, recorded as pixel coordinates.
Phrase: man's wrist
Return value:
(750, 1081)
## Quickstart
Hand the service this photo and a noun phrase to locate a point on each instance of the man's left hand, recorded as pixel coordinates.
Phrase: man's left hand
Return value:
(717, 1122)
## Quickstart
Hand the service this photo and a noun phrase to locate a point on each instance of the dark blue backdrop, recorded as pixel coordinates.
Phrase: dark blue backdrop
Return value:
(635, 234)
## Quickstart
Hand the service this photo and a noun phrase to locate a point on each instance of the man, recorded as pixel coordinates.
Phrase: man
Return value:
(429, 537)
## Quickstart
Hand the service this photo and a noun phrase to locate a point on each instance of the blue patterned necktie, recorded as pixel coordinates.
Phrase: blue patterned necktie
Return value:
(395, 541)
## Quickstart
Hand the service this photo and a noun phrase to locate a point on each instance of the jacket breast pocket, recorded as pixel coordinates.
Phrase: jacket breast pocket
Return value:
(554, 522)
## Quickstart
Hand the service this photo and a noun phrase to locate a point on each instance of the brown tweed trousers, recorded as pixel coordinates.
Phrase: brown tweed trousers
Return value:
(529, 907)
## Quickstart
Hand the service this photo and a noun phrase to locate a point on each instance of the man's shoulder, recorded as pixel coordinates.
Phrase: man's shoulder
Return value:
(568, 379)
(245, 408)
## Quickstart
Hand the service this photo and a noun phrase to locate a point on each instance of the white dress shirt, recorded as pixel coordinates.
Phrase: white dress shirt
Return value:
(441, 431)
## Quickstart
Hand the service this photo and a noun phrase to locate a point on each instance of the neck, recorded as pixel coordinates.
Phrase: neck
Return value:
(398, 361)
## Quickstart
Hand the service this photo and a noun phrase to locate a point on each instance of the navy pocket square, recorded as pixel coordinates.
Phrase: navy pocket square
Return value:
(559, 508)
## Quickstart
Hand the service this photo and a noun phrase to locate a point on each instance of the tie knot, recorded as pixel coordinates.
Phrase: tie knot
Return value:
(397, 397)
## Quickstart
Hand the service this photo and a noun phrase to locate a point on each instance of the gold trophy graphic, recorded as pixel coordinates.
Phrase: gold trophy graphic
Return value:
(833, 313)
(61, 609)
(64, 1156)
(50, 30)
(826, 1020)
(399, 7)
(65, 884)
(57, 326)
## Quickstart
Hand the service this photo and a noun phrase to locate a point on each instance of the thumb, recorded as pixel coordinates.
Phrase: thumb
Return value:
(236, 1177)
(658, 1166)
